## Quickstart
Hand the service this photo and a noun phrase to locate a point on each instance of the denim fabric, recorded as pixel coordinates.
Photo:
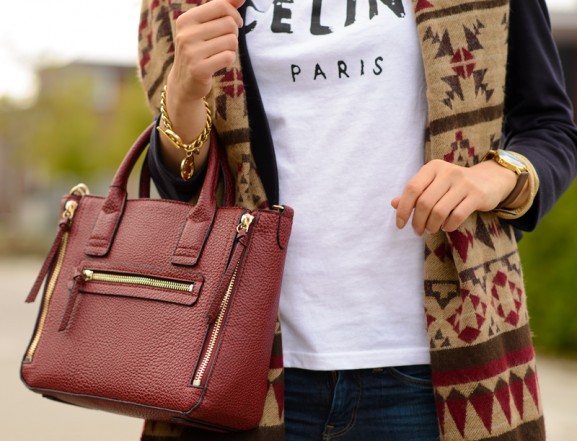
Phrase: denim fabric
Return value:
(388, 404)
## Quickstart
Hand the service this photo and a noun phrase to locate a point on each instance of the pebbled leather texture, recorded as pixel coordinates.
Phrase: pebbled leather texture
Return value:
(134, 349)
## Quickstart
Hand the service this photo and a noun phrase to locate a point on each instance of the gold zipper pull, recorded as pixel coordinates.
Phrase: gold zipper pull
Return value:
(70, 206)
(87, 275)
(245, 222)
(69, 209)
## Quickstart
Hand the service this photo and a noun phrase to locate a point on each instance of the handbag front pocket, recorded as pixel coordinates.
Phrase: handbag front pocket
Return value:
(146, 287)
(177, 290)
(105, 318)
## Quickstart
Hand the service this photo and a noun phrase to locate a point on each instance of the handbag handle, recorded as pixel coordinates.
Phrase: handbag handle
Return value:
(198, 222)
(227, 179)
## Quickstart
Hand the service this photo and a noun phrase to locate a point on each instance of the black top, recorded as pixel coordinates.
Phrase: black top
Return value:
(538, 117)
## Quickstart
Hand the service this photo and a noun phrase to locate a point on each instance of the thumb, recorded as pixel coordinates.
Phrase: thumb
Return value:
(395, 202)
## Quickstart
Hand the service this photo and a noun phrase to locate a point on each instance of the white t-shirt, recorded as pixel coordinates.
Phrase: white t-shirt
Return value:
(343, 89)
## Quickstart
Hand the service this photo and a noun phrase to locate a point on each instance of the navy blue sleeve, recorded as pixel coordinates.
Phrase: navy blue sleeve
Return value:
(538, 113)
(168, 184)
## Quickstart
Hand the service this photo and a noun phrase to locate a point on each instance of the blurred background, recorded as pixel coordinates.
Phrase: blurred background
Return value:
(70, 106)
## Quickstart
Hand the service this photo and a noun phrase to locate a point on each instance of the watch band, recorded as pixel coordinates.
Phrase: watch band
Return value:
(512, 162)
(533, 188)
(521, 180)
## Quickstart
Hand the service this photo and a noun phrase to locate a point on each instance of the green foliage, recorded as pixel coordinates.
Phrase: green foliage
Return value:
(63, 131)
(549, 257)
(70, 132)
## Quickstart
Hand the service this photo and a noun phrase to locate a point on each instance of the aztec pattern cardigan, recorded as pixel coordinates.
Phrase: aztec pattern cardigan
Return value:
(482, 356)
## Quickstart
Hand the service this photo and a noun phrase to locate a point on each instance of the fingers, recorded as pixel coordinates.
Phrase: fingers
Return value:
(459, 214)
(216, 28)
(203, 60)
(439, 196)
(212, 11)
(413, 190)
(206, 41)
(433, 206)
(432, 218)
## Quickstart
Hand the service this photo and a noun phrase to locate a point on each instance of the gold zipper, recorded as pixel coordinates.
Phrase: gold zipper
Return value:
(90, 275)
(244, 225)
(69, 210)
(215, 332)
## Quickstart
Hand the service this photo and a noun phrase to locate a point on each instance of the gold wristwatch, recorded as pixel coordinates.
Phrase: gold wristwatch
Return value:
(511, 162)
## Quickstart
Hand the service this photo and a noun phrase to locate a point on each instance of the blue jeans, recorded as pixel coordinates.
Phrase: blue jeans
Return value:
(388, 404)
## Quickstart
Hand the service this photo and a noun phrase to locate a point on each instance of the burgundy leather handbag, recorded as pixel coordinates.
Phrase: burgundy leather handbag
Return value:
(160, 309)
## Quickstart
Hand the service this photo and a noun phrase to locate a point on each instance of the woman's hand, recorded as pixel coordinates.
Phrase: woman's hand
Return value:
(442, 195)
(205, 42)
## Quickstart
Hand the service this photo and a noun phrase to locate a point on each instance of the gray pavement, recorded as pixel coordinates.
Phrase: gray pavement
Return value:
(25, 416)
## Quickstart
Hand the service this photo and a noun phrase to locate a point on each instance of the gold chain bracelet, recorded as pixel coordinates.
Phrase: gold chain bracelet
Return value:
(187, 165)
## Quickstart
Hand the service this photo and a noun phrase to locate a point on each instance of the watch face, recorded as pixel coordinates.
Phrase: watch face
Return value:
(512, 159)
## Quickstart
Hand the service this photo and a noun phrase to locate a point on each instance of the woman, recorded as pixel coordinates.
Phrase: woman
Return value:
(350, 93)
